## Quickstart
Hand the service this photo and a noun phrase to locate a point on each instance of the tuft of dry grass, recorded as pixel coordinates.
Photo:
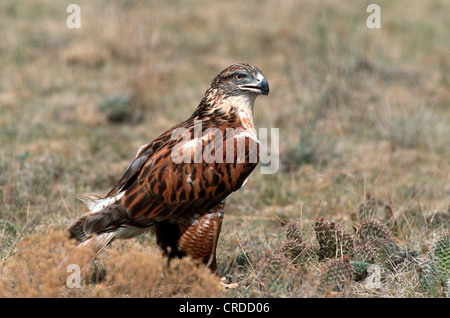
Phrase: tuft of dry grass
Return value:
(53, 266)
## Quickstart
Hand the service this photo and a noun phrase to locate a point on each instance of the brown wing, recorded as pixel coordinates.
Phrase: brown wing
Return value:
(144, 154)
(166, 189)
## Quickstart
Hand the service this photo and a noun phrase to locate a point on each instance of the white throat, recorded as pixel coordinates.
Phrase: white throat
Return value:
(245, 104)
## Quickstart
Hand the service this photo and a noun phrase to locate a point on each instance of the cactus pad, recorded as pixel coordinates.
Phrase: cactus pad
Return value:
(436, 269)
(370, 230)
(336, 273)
(293, 246)
(333, 240)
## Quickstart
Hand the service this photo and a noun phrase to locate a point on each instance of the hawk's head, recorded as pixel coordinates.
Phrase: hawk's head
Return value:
(241, 79)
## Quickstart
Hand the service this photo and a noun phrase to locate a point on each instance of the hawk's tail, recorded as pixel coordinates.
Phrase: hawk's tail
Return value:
(106, 221)
(76, 230)
(96, 228)
(105, 215)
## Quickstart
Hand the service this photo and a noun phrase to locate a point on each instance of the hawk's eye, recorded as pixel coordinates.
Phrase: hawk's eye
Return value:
(239, 76)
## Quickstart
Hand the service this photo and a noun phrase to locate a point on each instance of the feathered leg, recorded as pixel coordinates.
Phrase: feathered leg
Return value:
(199, 239)
(196, 237)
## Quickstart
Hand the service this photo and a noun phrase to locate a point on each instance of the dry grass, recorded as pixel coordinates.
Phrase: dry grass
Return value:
(359, 110)
(41, 268)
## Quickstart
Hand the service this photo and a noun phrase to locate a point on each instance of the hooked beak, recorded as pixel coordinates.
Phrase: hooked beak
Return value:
(261, 86)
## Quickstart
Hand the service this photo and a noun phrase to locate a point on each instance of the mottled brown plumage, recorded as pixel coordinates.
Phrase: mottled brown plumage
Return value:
(177, 184)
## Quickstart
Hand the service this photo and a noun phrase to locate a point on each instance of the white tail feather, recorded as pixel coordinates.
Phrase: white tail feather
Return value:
(97, 203)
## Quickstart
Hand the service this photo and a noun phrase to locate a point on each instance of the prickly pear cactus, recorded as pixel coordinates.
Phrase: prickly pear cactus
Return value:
(371, 230)
(365, 252)
(293, 246)
(337, 273)
(436, 269)
(428, 275)
(333, 240)
(272, 266)
(294, 232)
(442, 255)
